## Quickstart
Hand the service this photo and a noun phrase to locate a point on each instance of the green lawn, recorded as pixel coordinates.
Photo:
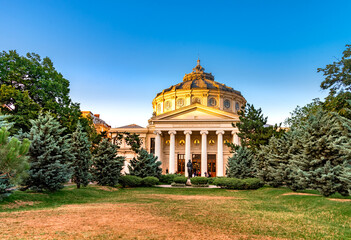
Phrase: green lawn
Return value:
(262, 213)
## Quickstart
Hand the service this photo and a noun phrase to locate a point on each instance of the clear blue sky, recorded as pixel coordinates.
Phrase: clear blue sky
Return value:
(119, 54)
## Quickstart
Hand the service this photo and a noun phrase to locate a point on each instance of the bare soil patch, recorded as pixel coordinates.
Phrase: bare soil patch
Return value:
(108, 189)
(104, 221)
(301, 194)
(339, 200)
(19, 203)
(190, 197)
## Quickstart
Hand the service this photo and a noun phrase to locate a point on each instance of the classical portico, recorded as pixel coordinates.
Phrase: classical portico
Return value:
(191, 120)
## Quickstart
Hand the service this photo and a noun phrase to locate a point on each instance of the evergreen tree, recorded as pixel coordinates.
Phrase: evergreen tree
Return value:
(242, 164)
(326, 153)
(50, 153)
(145, 165)
(253, 129)
(13, 161)
(107, 165)
(82, 161)
(276, 161)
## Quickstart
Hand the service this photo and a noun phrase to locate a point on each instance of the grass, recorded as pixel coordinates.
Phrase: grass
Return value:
(264, 213)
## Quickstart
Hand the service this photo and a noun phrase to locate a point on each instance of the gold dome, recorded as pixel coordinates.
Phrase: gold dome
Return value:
(198, 87)
(199, 79)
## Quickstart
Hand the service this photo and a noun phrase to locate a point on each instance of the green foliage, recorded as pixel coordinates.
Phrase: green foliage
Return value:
(4, 123)
(338, 81)
(130, 181)
(278, 161)
(180, 179)
(30, 84)
(252, 183)
(301, 114)
(168, 178)
(50, 154)
(107, 165)
(199, 180)
(253, 129)
(238, 184)
(131, 140)
(82, 160)
(315, 155)
(150, 181)
(145, 165)
(13, 161)
(242, 164)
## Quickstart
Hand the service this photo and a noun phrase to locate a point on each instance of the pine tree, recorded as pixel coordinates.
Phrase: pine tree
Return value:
(50, 153)
(326, 156)
(276, 161)
(242, 164)
(82, 161)
(145, 165)
(13, 161)
(107, 165)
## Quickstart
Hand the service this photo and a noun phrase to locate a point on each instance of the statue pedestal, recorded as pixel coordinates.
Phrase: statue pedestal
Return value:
(188, 182)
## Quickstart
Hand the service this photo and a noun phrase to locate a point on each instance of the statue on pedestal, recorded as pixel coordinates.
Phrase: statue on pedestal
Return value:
(189, 165)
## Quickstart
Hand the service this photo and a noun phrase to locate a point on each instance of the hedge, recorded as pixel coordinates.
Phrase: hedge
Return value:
(168, 178)
(199, 180)
(130, 181)
(180, 179)
(238, 184)
(150, 181)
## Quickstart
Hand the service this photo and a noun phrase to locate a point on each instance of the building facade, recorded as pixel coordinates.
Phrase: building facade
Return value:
(191, 120)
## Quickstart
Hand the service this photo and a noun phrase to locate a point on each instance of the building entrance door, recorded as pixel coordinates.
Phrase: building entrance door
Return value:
(211, 164)
(197, 164)
(181, 164)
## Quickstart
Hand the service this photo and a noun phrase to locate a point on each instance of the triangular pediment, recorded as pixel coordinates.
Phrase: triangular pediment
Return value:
(197, 112)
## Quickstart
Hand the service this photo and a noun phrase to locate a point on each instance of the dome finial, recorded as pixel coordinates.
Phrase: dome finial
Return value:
(198, 61)
(198, 68)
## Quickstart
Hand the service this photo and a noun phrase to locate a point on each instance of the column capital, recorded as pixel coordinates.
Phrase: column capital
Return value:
(157, 132)
(203, 132)
(172, 132)
(188, 132)
(220, 132)
(234, 132)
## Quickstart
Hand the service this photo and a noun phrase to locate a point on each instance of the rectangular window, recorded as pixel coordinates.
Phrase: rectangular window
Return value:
(152, 145)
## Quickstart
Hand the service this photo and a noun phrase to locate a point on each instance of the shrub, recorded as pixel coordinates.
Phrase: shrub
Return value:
(130, 181)
(168, 178)
(199, 180)
(180, 179)
(150, 181)
(253, 183)
(238, 184)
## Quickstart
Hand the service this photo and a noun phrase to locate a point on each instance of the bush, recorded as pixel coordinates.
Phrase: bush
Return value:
(150, 181)
(130, 181)
(168, 178)
(238, 184)
(180, 179)
(199, 180)
(252, 183)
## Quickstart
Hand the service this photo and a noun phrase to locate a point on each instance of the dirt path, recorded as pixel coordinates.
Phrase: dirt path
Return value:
(102, 221)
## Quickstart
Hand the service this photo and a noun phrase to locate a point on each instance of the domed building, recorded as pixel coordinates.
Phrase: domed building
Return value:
(191, 120)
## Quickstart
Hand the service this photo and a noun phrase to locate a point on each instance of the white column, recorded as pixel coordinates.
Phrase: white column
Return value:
(235, 138)
(220, 153)
(158, 144)
(187, 149)
(171, 168)
(203, 152)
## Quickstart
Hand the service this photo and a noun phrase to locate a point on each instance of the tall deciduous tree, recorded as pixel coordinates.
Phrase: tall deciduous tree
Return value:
(82, 161)
(338, 81)
(30, 84)
(50, 154)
